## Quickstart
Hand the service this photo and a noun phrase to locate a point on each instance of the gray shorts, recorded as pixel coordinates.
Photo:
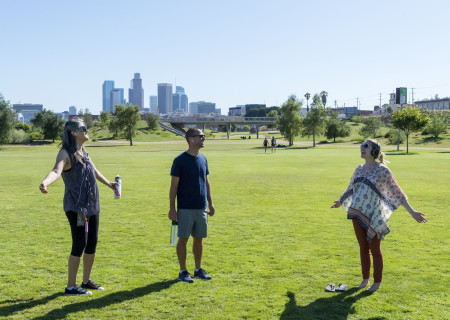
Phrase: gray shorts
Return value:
(192, 222)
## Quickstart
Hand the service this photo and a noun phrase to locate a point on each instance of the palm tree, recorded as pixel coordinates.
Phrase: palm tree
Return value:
(307, 96)
(324, 96)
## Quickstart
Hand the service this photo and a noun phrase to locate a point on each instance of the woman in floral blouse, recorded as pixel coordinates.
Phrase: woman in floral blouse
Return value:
(371, 197)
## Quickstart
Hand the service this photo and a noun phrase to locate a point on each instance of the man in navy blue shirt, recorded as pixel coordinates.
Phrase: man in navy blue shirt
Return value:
(190, 186)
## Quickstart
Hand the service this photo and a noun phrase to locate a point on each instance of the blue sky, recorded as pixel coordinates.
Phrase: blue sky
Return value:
(58, 53)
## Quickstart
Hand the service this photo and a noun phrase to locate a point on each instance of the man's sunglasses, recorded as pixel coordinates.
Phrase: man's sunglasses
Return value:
(82, 128)
(198, 135)
(365, 146)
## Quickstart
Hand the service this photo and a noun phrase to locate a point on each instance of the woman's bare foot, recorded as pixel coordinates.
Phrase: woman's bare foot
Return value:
(374, 287)
(363, 284)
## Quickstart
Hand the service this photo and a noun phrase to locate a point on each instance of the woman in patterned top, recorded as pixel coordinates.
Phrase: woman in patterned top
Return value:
(371, 197)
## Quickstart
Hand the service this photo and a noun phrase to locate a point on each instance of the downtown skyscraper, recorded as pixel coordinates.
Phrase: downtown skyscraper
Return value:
(117, 97)
(136, 92)
(111, 96)
(154, 104)
(165, 98)
(108, 86)
(180, 100)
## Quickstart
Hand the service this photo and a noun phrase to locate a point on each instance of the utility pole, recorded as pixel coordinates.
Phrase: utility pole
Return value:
(412, 95)
(357, 103)
(380, 101)
(335, 104)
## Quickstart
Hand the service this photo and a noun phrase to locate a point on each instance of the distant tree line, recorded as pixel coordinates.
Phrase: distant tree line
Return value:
(47, 125)
(123, 122)
(322, 121)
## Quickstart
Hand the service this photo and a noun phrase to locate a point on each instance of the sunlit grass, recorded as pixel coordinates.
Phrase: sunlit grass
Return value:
(273, 245)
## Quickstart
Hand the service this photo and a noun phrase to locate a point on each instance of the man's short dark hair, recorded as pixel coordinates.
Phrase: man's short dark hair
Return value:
(191, 132)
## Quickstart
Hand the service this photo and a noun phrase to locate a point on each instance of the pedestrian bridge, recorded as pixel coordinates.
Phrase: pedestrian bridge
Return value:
(180, 122)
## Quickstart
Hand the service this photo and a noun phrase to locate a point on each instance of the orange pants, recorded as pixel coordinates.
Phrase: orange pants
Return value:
(365, 248)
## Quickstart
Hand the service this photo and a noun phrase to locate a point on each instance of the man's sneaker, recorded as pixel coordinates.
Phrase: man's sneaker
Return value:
(91, 285)
(201, 274)
(185, 276)
(76, 291)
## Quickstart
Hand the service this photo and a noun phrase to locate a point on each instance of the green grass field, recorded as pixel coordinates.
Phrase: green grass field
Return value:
(273, 244)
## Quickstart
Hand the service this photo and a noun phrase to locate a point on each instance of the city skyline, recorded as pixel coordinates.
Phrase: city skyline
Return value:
(232, 53)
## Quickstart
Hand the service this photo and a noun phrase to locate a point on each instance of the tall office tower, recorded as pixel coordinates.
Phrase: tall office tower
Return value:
(153, 104)
(136, 92)
(193, 107)
(180, 100)
(108, 86)
(117, 97)
(164, 98)
(72, 110)
(179, 90)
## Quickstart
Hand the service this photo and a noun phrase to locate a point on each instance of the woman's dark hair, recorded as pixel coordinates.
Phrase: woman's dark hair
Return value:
(68, 140)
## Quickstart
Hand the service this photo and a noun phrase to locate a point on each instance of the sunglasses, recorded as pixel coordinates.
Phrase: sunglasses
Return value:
(365, 146)
(198, 135)
(82, 128)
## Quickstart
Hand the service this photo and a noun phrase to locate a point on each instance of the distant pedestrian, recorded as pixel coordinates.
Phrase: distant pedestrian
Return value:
(274, 145)
(371, 197)
(81, 196)
(190, 187)
(265, 143)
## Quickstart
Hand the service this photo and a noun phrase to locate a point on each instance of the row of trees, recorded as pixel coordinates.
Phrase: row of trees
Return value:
(124, 121)
(48, 125)
(322, 121)
(317, 121)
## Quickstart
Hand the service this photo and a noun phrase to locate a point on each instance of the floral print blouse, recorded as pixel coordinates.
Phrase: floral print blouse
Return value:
(371, 198)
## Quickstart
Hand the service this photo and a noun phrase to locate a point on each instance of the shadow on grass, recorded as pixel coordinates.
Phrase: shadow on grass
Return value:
(337, 306)
(113, 298)
(430, 140)
(297, 148)
(20, 304)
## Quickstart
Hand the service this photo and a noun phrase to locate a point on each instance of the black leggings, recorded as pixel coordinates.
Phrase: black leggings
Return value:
(79, 242)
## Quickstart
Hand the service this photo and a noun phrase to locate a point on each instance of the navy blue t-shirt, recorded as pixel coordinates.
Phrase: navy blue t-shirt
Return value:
(192, 172)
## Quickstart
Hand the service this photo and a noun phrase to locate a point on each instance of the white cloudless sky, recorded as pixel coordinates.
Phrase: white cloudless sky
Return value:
(59, 52)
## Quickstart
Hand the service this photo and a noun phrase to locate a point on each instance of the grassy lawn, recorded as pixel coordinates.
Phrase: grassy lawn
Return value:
(272, 247)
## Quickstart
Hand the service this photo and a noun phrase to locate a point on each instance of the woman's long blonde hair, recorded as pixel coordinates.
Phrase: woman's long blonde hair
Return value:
(376, 151)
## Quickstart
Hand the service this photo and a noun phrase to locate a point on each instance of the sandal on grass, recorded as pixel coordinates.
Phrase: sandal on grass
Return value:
(341, 287)
(330, 287)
